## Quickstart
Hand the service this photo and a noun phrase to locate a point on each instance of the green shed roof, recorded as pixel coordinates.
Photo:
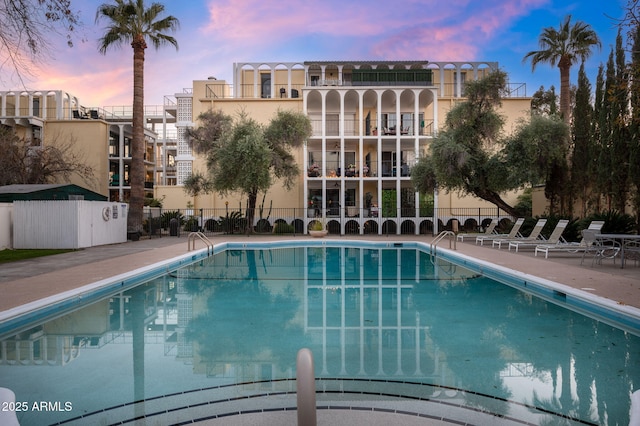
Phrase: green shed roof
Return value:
(10, 193)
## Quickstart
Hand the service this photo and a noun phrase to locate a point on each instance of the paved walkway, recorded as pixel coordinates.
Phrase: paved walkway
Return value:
(31, 280)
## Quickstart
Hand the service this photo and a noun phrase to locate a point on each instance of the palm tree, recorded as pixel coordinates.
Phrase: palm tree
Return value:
(564, 47)
(130, 22)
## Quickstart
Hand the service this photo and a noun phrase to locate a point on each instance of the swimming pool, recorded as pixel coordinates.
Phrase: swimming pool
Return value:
(391, 328)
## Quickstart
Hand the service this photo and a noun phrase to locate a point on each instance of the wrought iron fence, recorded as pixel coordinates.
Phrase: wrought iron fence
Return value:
(338, 220)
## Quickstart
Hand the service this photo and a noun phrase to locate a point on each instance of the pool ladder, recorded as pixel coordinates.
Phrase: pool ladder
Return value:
(199, 235)
(441, 236)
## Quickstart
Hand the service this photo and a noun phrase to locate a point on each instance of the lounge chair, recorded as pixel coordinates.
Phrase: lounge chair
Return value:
(491, 229)
(571, 247)
(515, 232)
(554, 238)
(535, 235)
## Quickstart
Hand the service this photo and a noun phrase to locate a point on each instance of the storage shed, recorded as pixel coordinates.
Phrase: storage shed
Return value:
(65, 191)
(48, 224)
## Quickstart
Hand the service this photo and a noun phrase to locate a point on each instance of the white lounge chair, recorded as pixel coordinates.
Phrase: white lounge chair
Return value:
(554, 238)
(533, 236)
(571, 247)
(491, 229)
(515, 232)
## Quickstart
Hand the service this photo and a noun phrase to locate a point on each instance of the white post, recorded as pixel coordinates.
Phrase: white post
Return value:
(306, 388)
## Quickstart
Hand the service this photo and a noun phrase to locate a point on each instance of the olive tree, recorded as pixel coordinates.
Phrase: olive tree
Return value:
(246, 157)
(466, 155)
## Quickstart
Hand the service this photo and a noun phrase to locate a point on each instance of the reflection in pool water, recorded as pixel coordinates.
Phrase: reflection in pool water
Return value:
(373, 317)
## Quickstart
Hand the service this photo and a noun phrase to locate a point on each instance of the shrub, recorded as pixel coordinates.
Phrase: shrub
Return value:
(166, 217)
(152, 225)
(316, 225)
(191, 224)
(233, 222)
(263, 225)
(614, 222)
(283, 228)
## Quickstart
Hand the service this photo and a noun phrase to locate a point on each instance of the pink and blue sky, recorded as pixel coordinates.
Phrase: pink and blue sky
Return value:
(214, 34)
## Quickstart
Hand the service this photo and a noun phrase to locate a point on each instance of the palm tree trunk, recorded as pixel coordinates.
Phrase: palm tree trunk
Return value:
(565, 90)
(137, 172)
(565, 112)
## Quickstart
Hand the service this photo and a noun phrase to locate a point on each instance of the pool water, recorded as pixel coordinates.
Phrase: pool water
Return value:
(383, 323)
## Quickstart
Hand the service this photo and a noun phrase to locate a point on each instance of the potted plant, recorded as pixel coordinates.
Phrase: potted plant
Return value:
(316, 229)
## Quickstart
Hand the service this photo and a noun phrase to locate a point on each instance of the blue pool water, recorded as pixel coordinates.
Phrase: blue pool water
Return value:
(385, 323)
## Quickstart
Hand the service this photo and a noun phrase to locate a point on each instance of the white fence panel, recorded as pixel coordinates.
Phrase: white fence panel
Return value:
(6, 225)
(68, 224)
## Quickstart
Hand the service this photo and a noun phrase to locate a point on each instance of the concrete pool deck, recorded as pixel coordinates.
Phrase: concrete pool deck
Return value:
(31, 280)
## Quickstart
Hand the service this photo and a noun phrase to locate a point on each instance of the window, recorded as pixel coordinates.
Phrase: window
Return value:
(265, 84)
(388, 122)
(36, 136)
(463, 79)
(113, 145)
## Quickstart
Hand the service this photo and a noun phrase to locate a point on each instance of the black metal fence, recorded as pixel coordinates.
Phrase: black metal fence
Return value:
(350, 220)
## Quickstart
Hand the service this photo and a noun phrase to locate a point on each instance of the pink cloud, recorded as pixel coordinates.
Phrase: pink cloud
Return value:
(452, 30)
(456, 37)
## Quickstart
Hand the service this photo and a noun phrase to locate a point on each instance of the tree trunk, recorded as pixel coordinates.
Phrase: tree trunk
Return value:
(495, 198)
(137, 170)
(565, 112)
(565, 90)
(251, 210)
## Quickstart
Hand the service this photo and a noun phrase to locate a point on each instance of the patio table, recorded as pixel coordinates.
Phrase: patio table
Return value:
(623, 239)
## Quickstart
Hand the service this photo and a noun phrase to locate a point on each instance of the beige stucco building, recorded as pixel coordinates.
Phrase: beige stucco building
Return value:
(99, 136)
(371, 121)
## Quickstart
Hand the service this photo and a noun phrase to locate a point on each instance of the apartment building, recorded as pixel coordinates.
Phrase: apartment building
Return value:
(371, 122)
(100, 136)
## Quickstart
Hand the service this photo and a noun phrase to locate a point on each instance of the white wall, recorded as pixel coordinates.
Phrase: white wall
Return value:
(6, 210)
(68, 224)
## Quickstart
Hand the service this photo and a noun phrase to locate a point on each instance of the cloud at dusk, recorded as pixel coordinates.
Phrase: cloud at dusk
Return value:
(216, 33)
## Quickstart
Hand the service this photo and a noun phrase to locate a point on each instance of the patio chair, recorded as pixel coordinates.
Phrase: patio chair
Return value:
(632, 251)
(568, 247)
(533, 236)
(599, 248)
(515, 232)
(491, 229)
(554, 238)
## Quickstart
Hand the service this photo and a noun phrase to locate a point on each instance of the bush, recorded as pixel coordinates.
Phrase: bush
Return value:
(167, 216)
(263, 225)
(152, 225)
(233, 222)
(614, 222)
(316, 225)
(212, 225)
(191, 225)
(283, 228)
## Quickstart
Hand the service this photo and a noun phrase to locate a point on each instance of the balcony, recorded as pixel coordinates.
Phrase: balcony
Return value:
(369, 128)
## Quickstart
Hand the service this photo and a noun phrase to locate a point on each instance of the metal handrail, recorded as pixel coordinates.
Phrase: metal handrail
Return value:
(440, 237)
(203, 238)
(306, 388)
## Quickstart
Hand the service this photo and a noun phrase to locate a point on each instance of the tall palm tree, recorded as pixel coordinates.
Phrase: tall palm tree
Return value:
(129, 21)
(564, 47)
